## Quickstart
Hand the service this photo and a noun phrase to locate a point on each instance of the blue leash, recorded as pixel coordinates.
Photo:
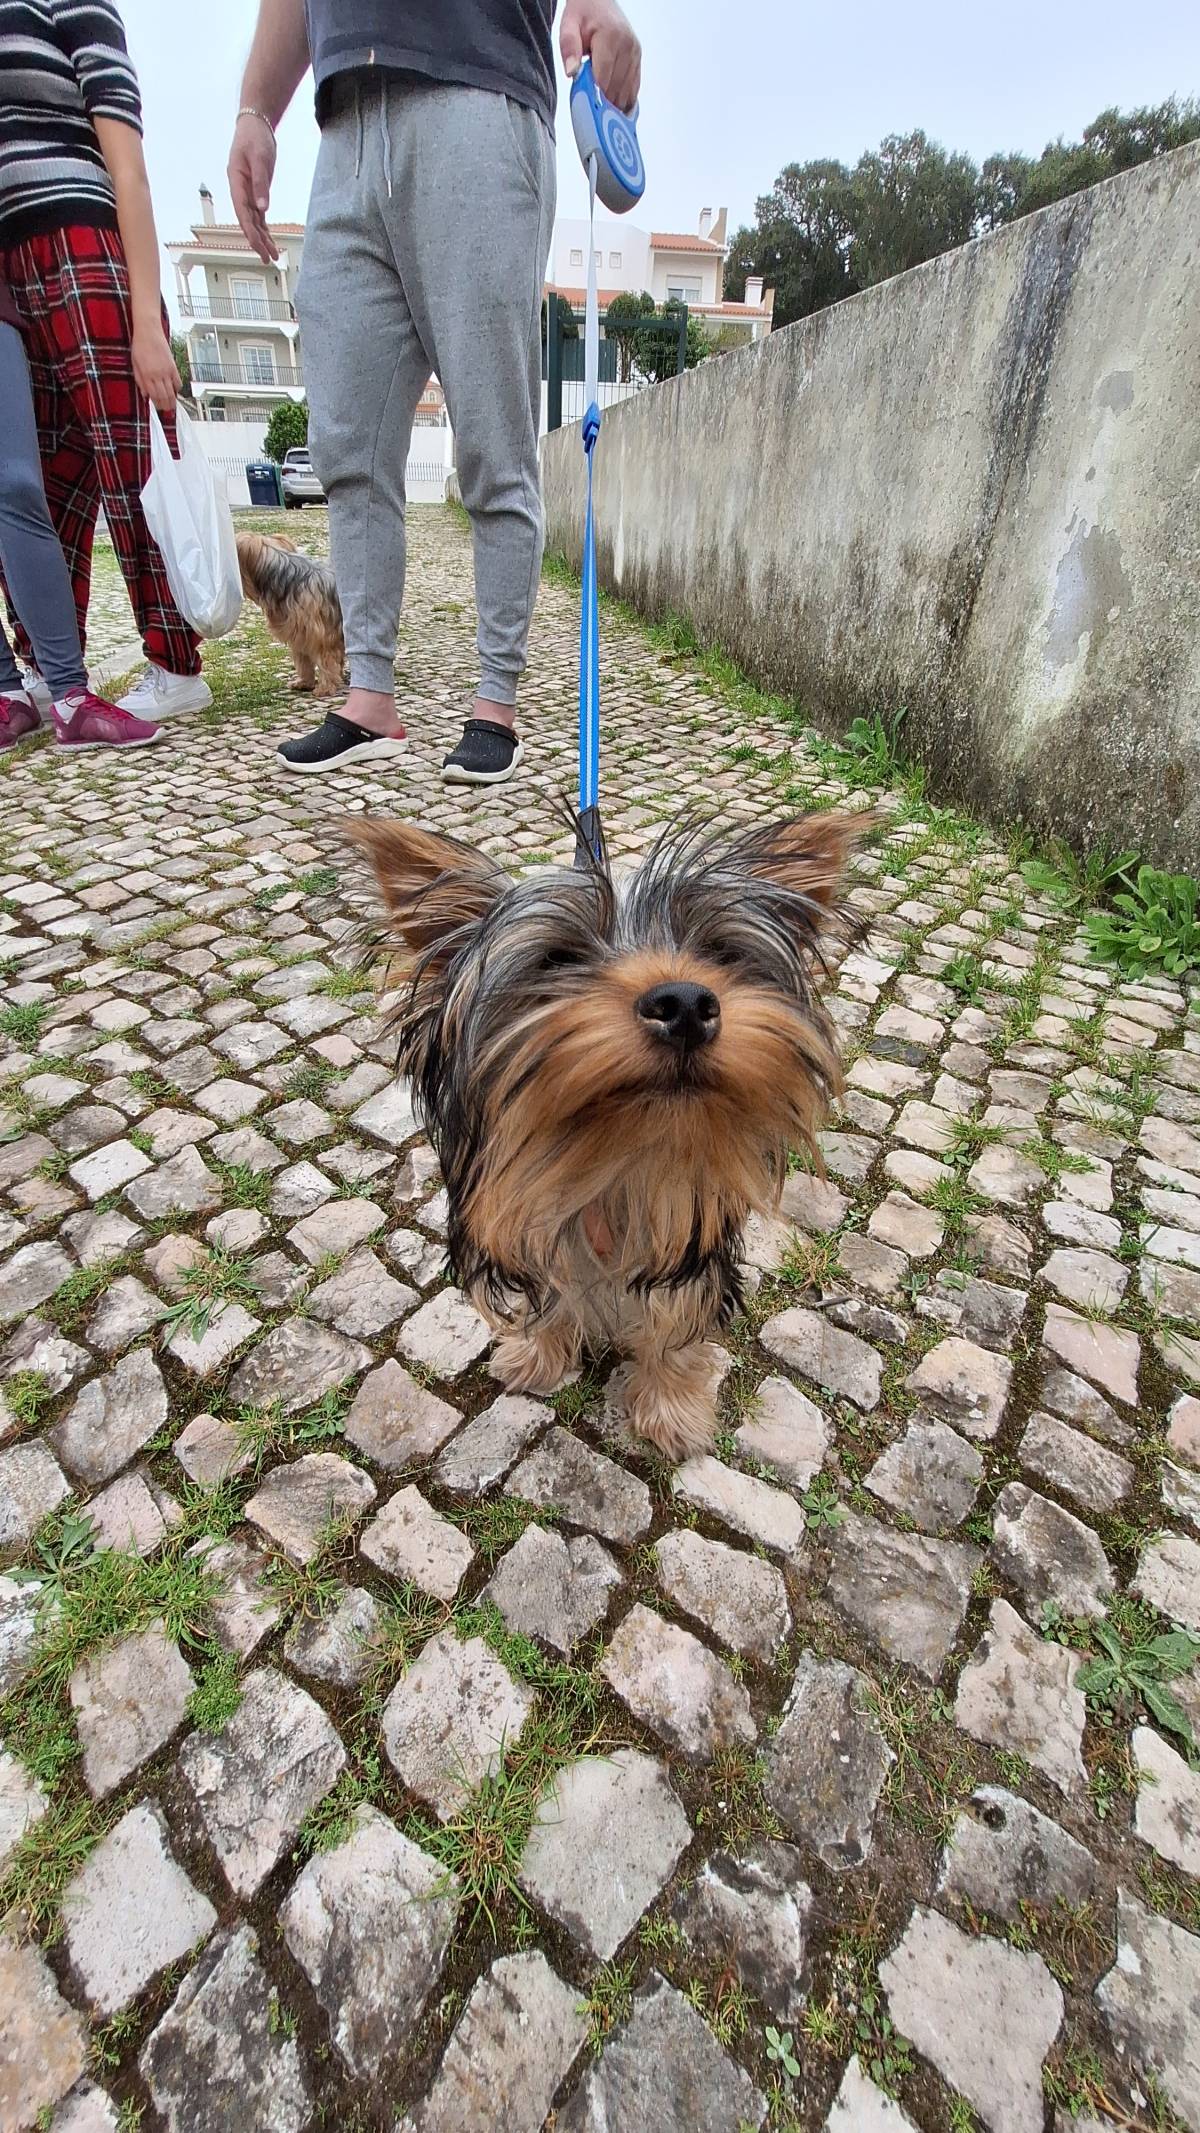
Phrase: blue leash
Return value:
(608, 146)
(589, 835)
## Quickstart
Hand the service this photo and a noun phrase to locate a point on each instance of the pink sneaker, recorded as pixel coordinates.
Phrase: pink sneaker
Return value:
(95, 723)
(16, 721)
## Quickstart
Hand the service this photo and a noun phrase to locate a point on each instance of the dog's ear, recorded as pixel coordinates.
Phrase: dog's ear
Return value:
(810, 854)
(434, 888)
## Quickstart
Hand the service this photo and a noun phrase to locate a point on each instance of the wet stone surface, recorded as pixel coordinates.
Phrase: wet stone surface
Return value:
(357, 1711)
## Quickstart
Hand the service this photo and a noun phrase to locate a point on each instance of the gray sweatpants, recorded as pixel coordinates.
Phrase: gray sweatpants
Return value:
(34, 567)
(428, 232)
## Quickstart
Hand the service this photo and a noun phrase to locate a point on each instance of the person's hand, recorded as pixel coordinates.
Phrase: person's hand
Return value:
(251, 169)
(597, 29)
(154, 369)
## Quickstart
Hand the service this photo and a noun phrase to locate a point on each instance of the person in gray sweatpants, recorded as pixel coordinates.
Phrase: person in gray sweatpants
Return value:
(425, 251)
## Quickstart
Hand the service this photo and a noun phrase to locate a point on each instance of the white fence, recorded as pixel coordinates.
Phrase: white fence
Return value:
(233, 446)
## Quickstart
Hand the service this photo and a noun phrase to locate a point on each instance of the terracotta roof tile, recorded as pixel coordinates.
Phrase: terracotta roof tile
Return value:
(672, 241)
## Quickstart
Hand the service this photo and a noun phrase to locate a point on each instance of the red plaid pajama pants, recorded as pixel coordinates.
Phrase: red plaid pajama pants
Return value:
(72, 291)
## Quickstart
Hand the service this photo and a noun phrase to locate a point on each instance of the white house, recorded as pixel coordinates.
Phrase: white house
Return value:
(238, 319)
(667, 263)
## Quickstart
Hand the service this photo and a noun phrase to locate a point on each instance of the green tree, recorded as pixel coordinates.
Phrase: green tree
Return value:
(800, 242)
(1132, 137)
(287, 428)
(823, 231)
(656, 352)
(621, 323)
(183, 362)
(911, 201)
(1002, 184)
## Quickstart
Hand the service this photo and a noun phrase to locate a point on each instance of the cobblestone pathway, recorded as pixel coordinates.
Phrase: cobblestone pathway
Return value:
(384, 1752)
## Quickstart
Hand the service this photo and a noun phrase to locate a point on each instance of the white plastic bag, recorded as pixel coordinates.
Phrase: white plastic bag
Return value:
(193, 526)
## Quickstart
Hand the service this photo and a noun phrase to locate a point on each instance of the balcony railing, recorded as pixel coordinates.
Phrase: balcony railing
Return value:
(250, 375)
(254, 309)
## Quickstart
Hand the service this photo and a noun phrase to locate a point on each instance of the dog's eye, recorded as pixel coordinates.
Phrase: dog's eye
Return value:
(560, 959)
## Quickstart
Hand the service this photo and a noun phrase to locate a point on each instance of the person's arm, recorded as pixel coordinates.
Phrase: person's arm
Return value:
(153, 364)
(274, 71)
(597, 30)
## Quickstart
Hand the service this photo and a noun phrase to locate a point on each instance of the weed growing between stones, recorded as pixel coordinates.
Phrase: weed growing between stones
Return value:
(86, 1596)
(217, 1694)
(48, 1856)
(217, 1279)
(1132, 1661)
(493, 1524)
(608, 2001)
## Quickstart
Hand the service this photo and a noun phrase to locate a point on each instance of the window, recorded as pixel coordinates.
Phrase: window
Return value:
(599, 259)
(614, 260)
(684, 292)
(258, 364)
(206, 359)
(249, 296)
(577, 257)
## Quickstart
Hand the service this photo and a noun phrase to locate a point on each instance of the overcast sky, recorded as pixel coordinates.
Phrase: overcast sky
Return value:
(729, 93)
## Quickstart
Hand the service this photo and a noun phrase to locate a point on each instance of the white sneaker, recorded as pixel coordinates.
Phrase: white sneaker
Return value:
(38, 692)
(158, 694)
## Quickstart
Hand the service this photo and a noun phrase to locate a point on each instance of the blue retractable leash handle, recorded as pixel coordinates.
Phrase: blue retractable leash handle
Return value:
(608, 144)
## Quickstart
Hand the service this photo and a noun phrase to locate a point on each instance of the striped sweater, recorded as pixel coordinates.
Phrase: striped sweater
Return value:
(63, 63)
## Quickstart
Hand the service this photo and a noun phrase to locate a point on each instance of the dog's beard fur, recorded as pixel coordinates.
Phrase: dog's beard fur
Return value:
(299, 599)
(598, 1182)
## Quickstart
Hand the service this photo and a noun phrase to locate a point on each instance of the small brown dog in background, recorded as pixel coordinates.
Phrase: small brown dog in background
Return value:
(299, 598)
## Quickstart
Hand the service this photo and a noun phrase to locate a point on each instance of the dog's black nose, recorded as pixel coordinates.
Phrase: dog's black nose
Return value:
(683, 1016)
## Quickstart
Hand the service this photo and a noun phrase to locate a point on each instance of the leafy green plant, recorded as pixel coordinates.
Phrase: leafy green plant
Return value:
(781, 2051)
(822, 1504)
(873, 746)
(1154, 924)
(1134, 1669)
(1070, 882)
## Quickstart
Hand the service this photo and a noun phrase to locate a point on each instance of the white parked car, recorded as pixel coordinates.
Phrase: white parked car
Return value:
(300, 484)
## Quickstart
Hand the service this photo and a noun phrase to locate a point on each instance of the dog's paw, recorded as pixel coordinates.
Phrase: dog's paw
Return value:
(523, 1364)
(671, 1403)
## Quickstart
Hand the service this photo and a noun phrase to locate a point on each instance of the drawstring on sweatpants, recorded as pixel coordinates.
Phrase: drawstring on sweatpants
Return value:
(384, 131)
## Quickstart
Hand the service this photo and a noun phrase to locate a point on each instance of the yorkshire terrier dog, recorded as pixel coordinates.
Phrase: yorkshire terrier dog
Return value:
(613, 1078)
(299, 598)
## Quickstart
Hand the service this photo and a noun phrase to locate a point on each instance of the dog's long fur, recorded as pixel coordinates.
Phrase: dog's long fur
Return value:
(299, 598)
(598, 1180)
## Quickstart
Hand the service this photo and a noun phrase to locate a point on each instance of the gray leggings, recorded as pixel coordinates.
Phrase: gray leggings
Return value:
(35, 570)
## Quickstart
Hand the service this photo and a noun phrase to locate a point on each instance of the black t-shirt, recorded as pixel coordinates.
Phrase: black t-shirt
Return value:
(502, 45)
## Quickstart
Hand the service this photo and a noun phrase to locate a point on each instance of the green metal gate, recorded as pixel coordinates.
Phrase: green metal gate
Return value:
(652, 348)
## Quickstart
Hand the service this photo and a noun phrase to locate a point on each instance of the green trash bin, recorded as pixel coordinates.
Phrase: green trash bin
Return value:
(264, 484)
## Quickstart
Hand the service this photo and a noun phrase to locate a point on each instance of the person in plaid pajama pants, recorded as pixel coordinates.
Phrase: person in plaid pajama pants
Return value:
(72, 289)
(79, 251)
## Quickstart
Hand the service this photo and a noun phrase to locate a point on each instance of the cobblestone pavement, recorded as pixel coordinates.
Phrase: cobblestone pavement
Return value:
(382, 1751)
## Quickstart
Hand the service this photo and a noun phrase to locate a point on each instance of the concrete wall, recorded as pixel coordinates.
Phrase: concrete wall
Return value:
(973, 491)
